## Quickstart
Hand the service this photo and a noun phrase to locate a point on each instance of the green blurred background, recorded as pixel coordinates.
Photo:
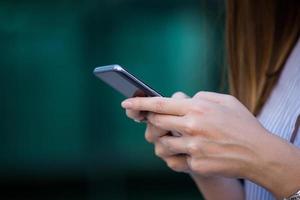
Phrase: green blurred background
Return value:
(63, 134)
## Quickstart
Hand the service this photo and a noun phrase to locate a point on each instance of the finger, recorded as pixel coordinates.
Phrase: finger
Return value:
(167, 122)
(174, 144)
(158, 105)
(182, 145)
(178, 163)
(180, 95)
(153, 133)
(135, 115)
(161, 150)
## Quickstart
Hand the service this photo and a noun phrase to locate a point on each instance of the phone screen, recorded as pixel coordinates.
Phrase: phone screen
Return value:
(124, 82)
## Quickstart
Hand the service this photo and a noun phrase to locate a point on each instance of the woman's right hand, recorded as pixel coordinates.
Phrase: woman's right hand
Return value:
(153, 134)
(211, 187)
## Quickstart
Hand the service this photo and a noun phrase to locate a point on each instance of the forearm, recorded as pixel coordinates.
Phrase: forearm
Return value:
(279, 167)
(219, 188)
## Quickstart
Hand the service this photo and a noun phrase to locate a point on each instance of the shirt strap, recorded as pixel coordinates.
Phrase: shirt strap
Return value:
(296, 129)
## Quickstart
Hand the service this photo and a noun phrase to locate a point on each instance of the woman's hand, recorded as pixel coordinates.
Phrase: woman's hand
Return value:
(221, 138)
(217, 130)
(154, 134)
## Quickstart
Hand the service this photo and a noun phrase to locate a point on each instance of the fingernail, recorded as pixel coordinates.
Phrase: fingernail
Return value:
(137, 121)
(126, 104)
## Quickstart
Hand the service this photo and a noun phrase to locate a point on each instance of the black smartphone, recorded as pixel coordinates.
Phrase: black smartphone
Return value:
(124, 82)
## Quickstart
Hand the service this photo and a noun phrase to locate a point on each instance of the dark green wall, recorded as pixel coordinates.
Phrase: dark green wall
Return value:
(62, 127)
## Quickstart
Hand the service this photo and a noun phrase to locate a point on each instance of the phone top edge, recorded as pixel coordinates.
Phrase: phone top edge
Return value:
(106, 68)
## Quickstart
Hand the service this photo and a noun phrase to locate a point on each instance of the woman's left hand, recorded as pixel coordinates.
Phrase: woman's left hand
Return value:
(221, 137)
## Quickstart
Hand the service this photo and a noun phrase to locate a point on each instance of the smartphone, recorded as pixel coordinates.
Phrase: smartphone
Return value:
(127, 84)
(124, 82)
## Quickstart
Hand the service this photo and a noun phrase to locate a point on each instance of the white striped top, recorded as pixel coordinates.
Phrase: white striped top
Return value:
(281, 114)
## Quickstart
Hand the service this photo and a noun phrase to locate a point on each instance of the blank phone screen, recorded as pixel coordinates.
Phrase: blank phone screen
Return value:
(124, 85)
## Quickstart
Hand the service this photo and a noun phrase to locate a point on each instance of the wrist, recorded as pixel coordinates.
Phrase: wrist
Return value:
(277, 168)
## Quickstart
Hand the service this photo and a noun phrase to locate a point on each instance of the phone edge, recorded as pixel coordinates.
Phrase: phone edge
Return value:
(122, 71)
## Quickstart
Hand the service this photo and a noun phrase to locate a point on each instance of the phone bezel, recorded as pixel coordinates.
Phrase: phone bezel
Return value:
(129, 77)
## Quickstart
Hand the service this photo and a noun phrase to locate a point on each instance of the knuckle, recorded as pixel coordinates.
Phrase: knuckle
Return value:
(190, 126)
(178, 95)
(154, 119)
(229, 98)
(159, 104)
(199, 94)
(137, 102)
(193, 164)
(199, 166)
(192, 148)
(199, 108)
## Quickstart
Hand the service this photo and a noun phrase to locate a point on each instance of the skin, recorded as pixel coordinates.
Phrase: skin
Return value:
(220, 141)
